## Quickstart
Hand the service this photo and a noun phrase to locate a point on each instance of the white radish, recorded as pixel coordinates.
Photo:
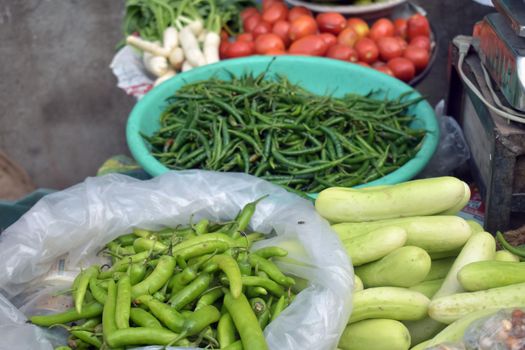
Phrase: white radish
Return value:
(176, 58)
(191, 48)
(169, 74)
(170, 38)
(147, 46)
(196, 27)
(202, 36)
(186, 66)
(158, 65)
(211, 47)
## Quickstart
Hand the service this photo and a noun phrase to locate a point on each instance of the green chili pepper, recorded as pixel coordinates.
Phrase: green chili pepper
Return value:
(234, 346)
(266, 283)
(140, 336)
(97, 291)
(160, 275)
(109, 324)
(271, 269)
(278, 307)
(88, 311)
(190, 292)
(143, 318)
(229, 266)
(88, 338)
(245, 321)
(209, 297)
(136, 272)
(144, 244)
(514, 250)
(122, 308)
(83, 283)
(163, 312)
(270, 252)
(226, 330)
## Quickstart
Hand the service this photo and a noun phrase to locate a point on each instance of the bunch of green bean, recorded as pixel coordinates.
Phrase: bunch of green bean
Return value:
(194, 286)
(282, 133)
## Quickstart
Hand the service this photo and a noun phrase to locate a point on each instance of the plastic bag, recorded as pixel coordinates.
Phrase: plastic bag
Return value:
(504, 330)
(485, 2)
(131, 74)
(80, 220)
(452, 150)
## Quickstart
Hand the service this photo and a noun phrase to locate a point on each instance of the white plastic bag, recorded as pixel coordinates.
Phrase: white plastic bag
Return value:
(80, 220)
(131, 74)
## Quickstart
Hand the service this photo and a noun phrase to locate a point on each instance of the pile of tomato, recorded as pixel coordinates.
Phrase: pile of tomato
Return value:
(400, 48)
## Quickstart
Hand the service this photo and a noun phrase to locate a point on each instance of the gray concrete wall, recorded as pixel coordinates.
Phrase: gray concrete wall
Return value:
(61, 114)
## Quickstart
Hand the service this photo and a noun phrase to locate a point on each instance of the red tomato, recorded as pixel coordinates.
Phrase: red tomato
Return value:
(223, 49)
(417, 25)
(421, 41)
(224, 35)
(311, 45)
(248, 37)
(389, 47)
(381, 28)
(268, 3)
(262, 27)
(361, 63)
(251, 21)
(240, 49)
(402, 42)
(329, 39)
(275, 12)
(298, 11)
(418, 56)
(384, 68)
(282, 28)
(267, 42)
(378, 64)
(275, 52)
(348, 37)
(477, 29)
(331, 22)
(302, 26)
(400, 25)
(359, 25)
(402, 68)
(367, 50)
(247, 12)
(342, 52)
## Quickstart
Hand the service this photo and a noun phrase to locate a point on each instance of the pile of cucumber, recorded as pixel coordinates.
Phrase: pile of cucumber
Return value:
(422, 274)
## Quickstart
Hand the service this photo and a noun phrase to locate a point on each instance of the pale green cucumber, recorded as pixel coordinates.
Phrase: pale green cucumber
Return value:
(375, 244)
(460, 204)
(358, 284)
(448, 254)
(474, 226)
(481, 246)
(505, 255)
(422, 330)
(428, 288)
(455, 331)
(483, 275)
(442, 233)
(439, 269)
(378, 334)
(450, 308)
(411, 198)
(404, 267)
(388, 302)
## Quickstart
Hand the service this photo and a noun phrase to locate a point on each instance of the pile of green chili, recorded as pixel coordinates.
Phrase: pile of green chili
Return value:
(280, 132)
(193, 286)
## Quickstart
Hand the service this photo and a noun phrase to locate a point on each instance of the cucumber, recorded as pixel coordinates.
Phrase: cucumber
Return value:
(388, 302)
(474, 226)
(450, 308)
(435, 234)
(439, 269)
(460, 204)
(455, 331)
(483, 275)
(505, 255)
(428, 288)
(448, 254)
(375, 244)
(358, 284)
(378, 334)
(412, 198)
(424, 329)
(481, 246)
(404, 267)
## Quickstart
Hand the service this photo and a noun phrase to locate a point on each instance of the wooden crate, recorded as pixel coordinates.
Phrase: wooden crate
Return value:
(497, 147)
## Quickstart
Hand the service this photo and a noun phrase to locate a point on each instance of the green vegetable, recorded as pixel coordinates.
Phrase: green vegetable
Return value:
(375, 334)
(428, 288)
(407, 199)
(88, 311)
(505, 255)
(435, 234)
(514, 250)
(389, 302)
(439, 268)
(160, 275)
(374, 245)
(358, 284)
(450, 308)
(142, 318)
(299, 130)
(483, 275)
(404, 267)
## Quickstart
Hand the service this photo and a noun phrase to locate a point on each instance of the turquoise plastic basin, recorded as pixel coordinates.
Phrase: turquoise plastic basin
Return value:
(319, 75)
